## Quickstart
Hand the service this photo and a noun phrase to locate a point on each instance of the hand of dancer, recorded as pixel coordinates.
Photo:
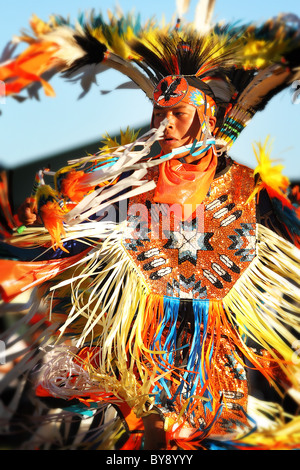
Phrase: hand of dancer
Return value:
(26, 213)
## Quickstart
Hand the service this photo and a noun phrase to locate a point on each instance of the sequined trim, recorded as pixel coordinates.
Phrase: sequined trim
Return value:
(203, 257)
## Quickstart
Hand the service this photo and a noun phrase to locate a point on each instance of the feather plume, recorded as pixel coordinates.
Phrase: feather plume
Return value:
(102, 45)
(29, 68)
(244, 66)
(182, 7)
(127, 137)
(271, 179)
(270, 63)
(51, 214)
(271, 175)
(186, 54)
(77, 48)
(203, 15)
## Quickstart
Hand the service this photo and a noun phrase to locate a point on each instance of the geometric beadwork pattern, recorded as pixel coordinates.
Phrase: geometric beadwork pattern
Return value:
(202, 257)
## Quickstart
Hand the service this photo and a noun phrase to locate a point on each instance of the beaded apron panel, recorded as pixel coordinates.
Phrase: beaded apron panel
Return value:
(200, 258)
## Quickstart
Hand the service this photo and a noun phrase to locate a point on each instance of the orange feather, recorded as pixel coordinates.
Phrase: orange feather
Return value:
(28, 67)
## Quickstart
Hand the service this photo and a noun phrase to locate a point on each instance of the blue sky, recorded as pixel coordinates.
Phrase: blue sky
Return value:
(35, 129)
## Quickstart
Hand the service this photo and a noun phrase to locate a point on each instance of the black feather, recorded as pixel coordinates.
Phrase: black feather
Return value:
(177, 56)
(94, 51)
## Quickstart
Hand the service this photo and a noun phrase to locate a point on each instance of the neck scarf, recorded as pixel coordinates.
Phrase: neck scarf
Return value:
(186, 184)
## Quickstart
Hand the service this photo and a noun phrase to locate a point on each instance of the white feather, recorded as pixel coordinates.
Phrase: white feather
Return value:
(203, 15)
(129, 158)
(69, 50)
(124, 66)
(182, 7)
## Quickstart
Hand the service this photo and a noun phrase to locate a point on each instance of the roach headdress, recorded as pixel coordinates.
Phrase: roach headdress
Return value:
(239, 67)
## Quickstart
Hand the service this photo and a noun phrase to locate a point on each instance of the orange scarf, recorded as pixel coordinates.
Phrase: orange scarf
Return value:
(184, 183)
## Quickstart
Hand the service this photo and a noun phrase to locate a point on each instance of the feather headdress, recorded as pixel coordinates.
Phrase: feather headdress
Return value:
(241, 66)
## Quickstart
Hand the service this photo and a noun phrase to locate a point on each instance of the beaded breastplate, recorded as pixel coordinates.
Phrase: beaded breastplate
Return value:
(202, 257)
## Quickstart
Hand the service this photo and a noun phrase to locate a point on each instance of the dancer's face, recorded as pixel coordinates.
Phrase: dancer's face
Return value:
(183, 127)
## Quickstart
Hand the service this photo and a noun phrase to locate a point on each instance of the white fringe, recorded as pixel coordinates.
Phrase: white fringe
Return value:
(128, 159)
(264, 304)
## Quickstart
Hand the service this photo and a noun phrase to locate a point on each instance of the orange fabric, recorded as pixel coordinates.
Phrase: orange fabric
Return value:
(133, 423)
(134, 442)
(40, 391)
(184, 183)
(18, 276)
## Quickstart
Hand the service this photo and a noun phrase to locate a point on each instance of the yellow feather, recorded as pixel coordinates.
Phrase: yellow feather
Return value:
(127, 137)
(260, 53)
(270, 174)
(39, 28)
